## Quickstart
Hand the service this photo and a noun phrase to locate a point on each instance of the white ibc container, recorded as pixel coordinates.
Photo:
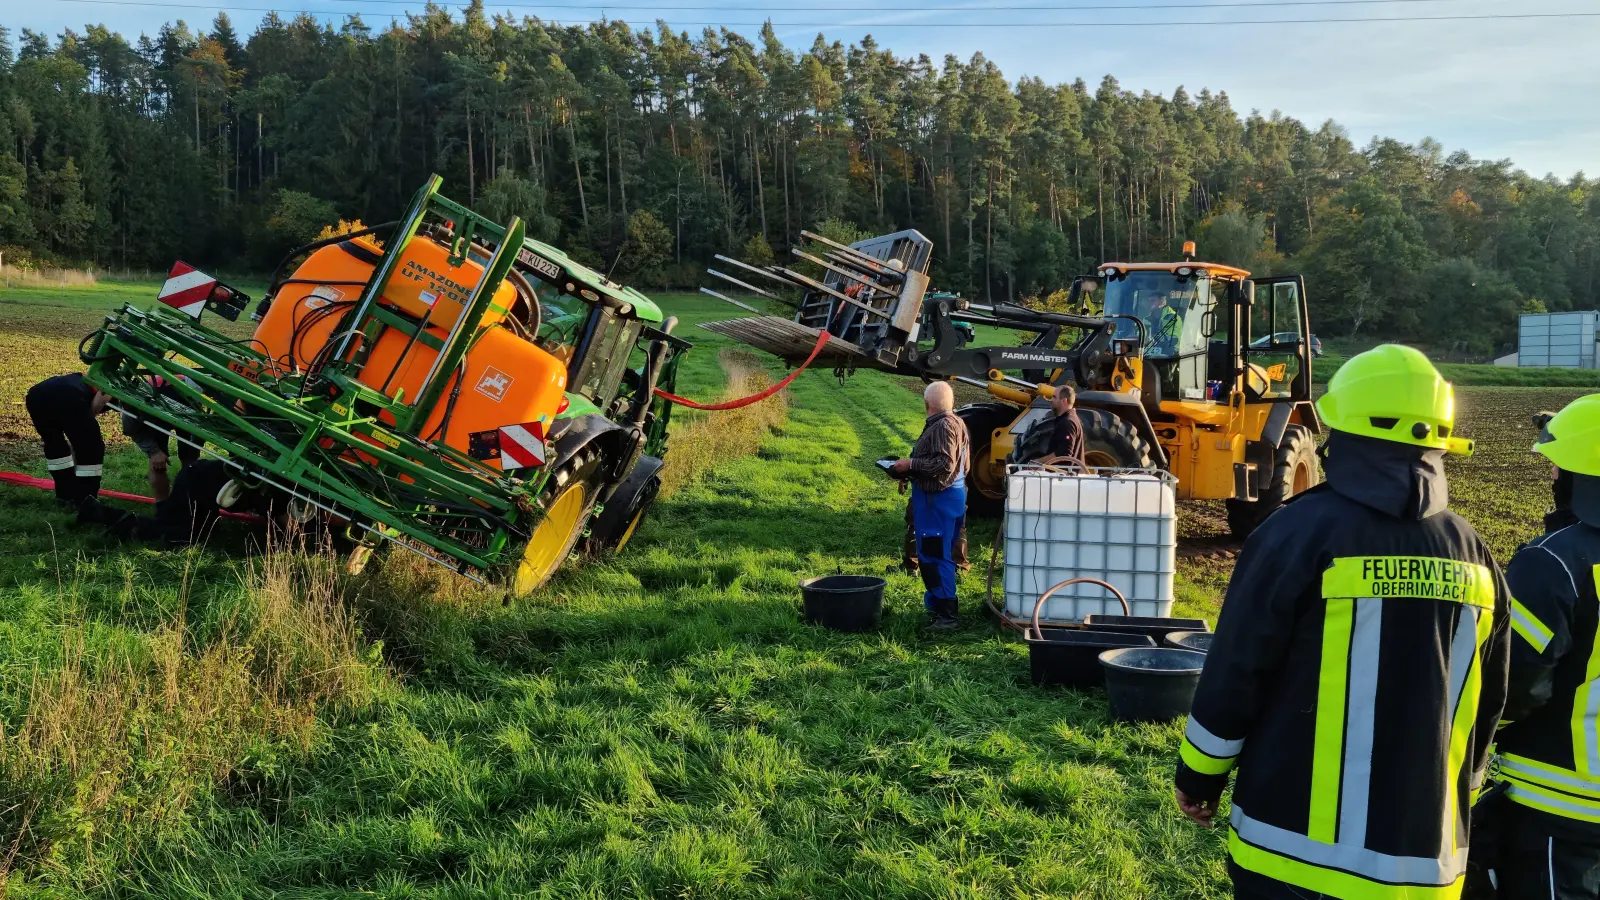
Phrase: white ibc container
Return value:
(1118, 526)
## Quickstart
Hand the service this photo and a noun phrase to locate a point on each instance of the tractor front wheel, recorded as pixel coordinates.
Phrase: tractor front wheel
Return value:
(1294, 471)
(566, 502)
(615, 525)
(1110, 442)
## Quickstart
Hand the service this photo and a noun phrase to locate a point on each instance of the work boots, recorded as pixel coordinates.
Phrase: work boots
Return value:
(88, 481)
(945, 615)
(68, 489)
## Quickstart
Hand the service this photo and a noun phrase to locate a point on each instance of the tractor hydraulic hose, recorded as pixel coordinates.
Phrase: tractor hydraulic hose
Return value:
(277, 273)
(822, 341)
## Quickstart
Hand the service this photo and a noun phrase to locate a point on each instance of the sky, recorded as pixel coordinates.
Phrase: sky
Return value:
(1525, 89)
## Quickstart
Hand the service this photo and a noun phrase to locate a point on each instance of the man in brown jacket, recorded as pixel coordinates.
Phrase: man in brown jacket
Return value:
(938, 469)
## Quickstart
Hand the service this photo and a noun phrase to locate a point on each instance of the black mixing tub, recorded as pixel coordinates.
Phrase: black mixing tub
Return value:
(843, 602)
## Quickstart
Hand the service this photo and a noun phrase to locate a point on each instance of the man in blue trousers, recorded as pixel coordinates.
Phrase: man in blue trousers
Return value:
(938, 469)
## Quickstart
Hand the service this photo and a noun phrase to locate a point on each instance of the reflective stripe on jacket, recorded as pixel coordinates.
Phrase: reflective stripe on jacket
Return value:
(1550, 748)
(1355, 680)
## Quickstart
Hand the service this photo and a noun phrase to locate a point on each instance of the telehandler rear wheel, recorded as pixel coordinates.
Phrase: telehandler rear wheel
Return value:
(1110, 442)
(1294, 471)
(567, 500)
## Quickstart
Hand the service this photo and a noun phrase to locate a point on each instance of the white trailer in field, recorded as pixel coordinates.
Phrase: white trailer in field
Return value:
(1563, 340)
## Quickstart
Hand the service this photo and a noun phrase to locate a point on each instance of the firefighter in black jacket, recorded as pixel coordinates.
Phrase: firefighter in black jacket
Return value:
(1550, 752)
(1359, 665)
(64, 410)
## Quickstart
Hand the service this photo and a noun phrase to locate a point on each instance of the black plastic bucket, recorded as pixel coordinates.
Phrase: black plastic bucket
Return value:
(1198, 641)
(1153, 684)
(1069, 657)
(1154, 626)
(843, 602)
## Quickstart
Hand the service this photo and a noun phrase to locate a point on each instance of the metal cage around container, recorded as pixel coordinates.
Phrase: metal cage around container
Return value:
(1115, 525)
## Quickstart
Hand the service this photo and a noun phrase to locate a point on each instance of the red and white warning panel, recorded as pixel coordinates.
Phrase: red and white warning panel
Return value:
(187, 289)
(522, 446)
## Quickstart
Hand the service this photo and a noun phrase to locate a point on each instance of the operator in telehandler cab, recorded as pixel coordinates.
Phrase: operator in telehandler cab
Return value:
(1359, 665)
(1549, 832)
(1163, 323)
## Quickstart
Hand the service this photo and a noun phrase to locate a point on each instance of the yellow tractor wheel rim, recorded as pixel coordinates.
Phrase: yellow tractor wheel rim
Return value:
(989, 477)
(548, 545)
(1301, 482)
(1099, 459)
(632, 527)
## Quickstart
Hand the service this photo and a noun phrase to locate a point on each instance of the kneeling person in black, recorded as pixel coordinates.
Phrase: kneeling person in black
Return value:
(64, 410)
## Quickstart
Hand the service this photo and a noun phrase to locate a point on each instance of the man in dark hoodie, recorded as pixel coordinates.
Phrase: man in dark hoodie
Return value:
(1549, 752)
(1359, 664)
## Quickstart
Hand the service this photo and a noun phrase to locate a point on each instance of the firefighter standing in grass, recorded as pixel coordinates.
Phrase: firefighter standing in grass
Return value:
(65, 411)
(1549, 753)
(1360, 662)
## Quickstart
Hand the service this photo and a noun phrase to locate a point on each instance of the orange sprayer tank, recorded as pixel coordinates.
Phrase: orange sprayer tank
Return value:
(425, 284)
(509, 381)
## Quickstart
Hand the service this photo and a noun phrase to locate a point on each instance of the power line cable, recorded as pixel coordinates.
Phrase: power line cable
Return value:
(602, 7)
(1031, 24)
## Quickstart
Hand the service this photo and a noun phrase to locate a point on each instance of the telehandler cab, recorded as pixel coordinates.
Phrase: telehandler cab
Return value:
(1192, 367)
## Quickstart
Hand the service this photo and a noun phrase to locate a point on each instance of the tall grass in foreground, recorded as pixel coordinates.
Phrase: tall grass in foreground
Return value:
(716, 437)
(117, 734)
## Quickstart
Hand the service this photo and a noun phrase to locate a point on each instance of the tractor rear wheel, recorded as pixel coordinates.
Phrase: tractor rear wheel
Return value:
(1110, 442)
(986, 479)
(1294, 471)
(566, 502)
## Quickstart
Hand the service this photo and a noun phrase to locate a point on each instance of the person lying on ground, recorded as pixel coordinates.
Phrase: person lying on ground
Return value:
(156, 442)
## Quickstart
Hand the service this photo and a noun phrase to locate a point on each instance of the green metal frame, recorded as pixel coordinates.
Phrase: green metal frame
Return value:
(324, 436)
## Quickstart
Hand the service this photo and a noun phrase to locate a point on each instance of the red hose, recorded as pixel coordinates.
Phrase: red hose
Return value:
(822, 341)
(45, 484)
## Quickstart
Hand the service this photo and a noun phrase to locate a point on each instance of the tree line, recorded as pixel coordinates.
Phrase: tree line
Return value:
(645, 151)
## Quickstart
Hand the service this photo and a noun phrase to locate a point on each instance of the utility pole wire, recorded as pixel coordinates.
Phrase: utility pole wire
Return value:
(1030, 24)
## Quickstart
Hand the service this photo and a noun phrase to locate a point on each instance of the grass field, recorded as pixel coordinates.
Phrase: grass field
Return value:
(1467, 374)
(200, 723)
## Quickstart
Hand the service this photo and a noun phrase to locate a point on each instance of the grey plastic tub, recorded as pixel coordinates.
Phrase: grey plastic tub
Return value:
(1198, 641)
(1151, 684)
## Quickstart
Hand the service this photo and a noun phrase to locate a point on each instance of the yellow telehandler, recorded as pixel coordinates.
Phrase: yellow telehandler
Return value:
(1193, 367)
(1208, 376)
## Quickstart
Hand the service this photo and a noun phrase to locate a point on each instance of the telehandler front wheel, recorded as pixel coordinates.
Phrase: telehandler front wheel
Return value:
(1110, 442)
(986, 478)
(566, 502)
(1294, 471)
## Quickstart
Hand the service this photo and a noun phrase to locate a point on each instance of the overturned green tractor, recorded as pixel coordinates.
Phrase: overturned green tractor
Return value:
(460, 390)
